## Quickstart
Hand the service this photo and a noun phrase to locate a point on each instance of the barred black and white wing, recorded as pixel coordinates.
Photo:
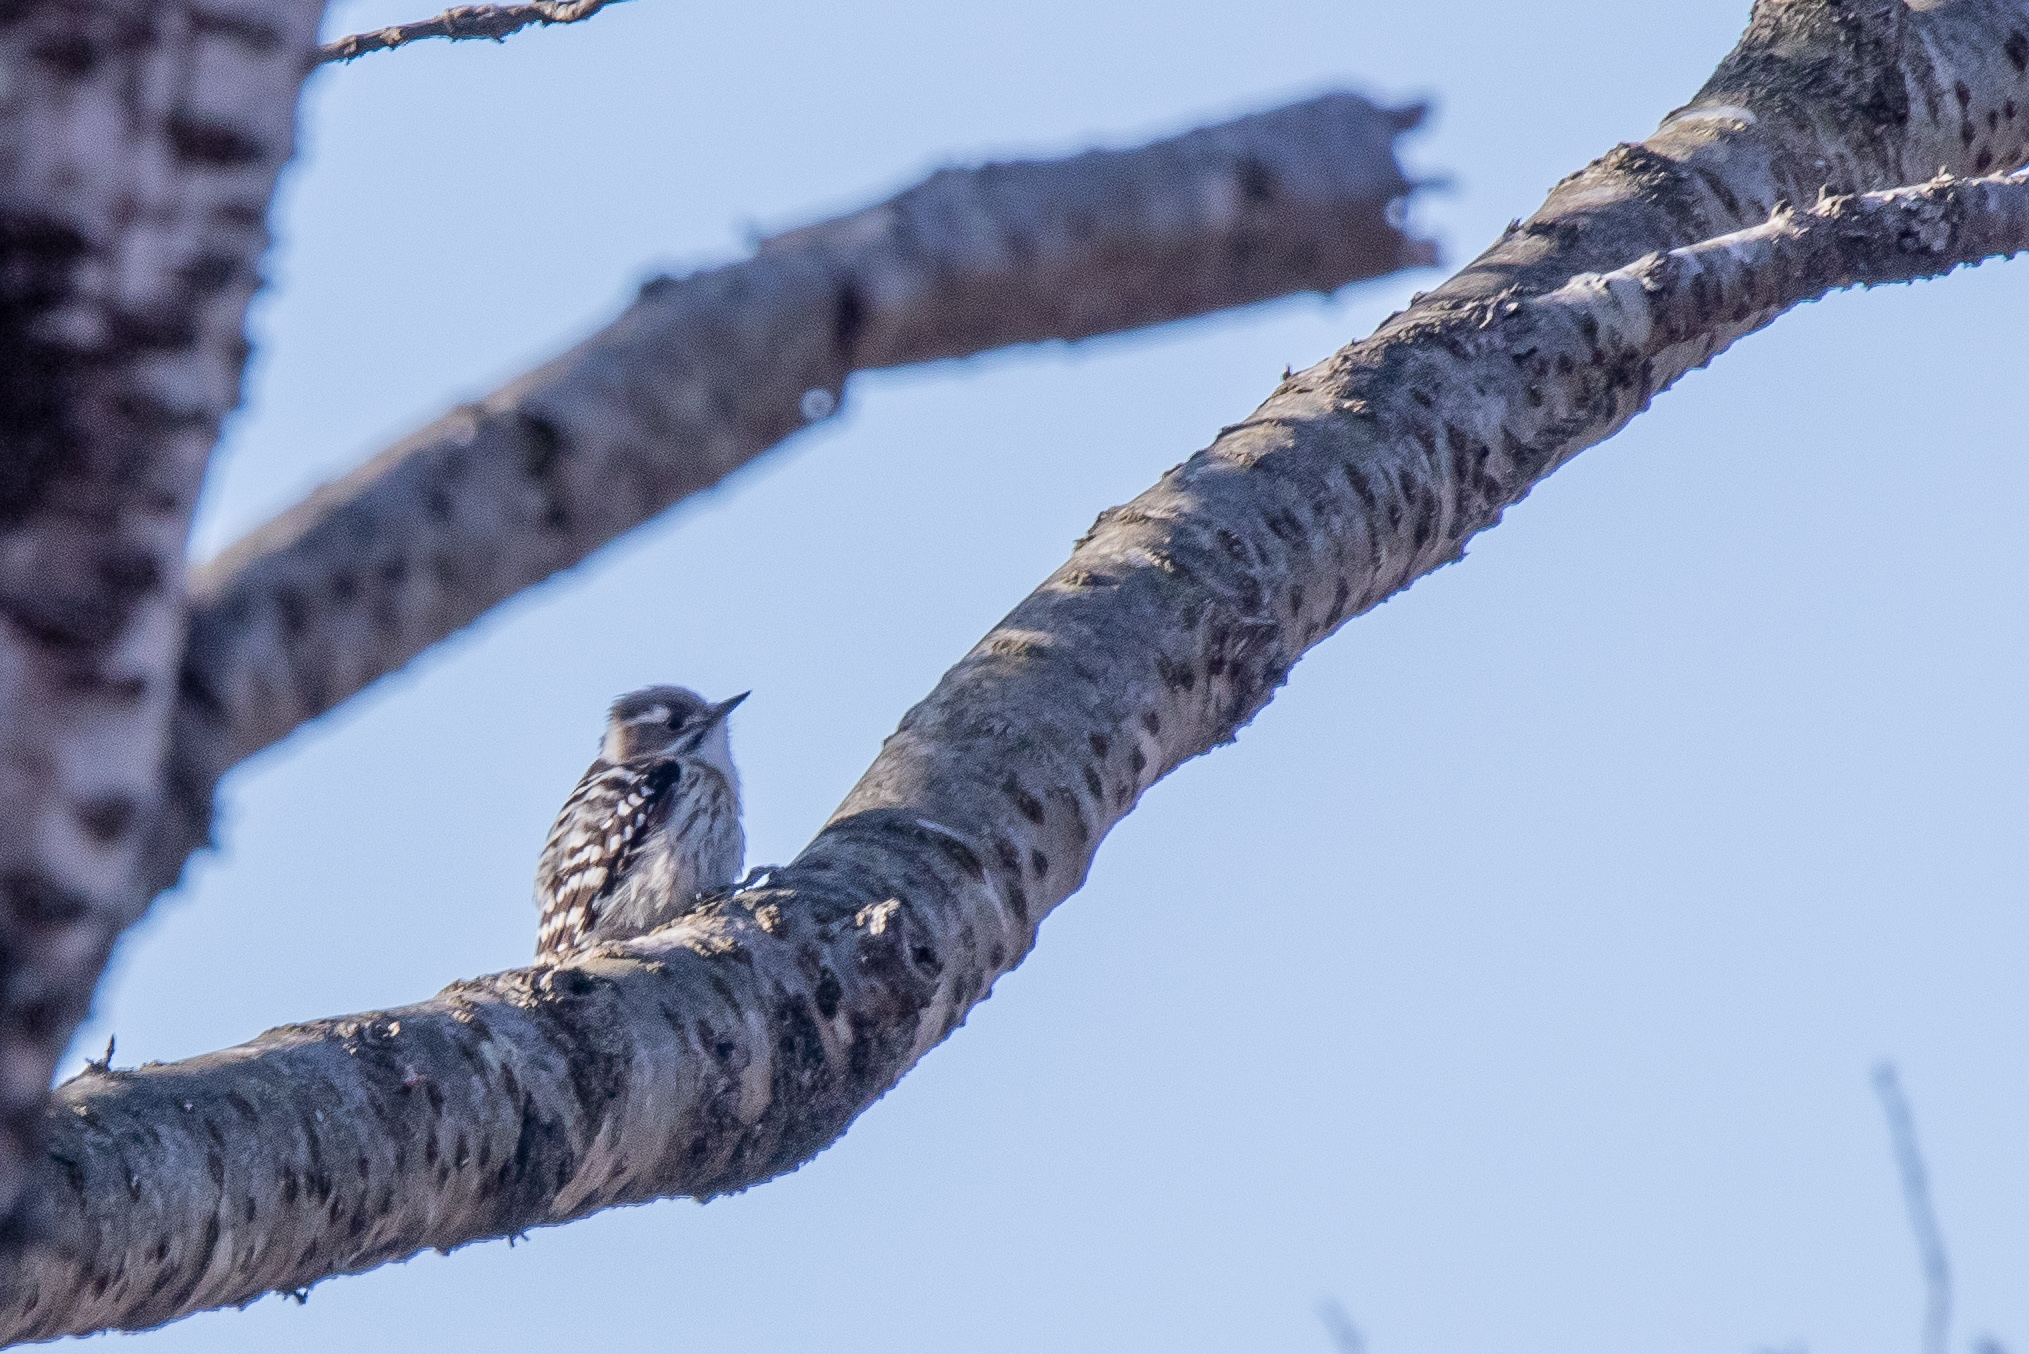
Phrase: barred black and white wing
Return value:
(615, 811)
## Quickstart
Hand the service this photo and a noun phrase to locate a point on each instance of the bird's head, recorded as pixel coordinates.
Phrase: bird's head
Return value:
(670, 721)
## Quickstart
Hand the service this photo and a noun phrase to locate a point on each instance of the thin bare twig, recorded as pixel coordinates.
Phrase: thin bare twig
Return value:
(1937, 1279)
(463, 23)
(1346, 1337)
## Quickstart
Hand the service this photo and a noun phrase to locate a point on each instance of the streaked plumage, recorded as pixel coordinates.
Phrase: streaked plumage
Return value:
(654, 822)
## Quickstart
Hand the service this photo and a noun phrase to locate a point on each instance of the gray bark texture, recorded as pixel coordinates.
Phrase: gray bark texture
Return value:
(731, 1046)
(703, 374)
(139, 145)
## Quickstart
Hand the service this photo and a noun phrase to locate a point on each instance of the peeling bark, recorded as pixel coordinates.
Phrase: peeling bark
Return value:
(703, 374)
(732, 1045)
(139, 145)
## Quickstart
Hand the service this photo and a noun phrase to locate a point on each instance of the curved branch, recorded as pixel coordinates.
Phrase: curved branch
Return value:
(732, 1045)
(463, 23)
(703, 374)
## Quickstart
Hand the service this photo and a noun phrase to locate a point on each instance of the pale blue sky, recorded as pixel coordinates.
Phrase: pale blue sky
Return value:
(1515, 979)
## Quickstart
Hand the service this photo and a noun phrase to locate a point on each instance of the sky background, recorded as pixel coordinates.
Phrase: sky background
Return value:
(1515, 980)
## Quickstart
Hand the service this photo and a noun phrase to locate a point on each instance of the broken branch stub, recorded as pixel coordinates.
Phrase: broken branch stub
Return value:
(731, 1045)
(703, 374)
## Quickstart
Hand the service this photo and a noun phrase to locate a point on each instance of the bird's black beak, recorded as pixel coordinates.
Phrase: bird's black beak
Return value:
(726, 707)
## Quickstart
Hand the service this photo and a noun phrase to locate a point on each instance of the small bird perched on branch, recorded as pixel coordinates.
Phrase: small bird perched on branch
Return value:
(654, 823)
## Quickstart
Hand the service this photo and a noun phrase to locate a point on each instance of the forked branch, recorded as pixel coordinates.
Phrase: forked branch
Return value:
(730, 1046)
(704, 373)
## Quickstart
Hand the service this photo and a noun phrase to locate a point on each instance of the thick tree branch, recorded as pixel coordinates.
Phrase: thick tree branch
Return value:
(702, 375)
(731, 1046)
(464, 22)
(139, 144)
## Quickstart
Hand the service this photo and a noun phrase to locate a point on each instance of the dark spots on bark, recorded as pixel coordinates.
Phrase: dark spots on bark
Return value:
(828, 993)
(1717, 186)
(926, 959)
(1983, 161)
(435, 1095)
(1078, 823)
(106, 818)
(1362, 489)
(1004, 851)
(544, 450)
(213, 144)
(1018, 901)
(1099, 745)
(430, 1148)
(1426, 507)
(800, 1044)
(2016, 46)
(1039, 863)
(290, 1185)
(1967, 133)
(37, 376)
(1027, 804)
(249, 1212)
(1176, 675)
(1094, 785)
(69, 54)
(245, 29)
(1341, 596)
(207, 1247)
(461, 1155)
(163, 329)
(1287, 526)
(1152, 722)
(34, 901)
(959, 854)
(1257, 181)
(292, 611)
(216, 1165)
(1231, 543)
(848, 319)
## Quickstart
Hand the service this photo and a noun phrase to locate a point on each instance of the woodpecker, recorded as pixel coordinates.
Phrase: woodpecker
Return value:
(654, 823)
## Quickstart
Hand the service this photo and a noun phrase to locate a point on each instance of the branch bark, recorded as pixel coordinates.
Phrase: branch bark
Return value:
(133, 201)
(703, 374)
(462, 23)
(733, 1045)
